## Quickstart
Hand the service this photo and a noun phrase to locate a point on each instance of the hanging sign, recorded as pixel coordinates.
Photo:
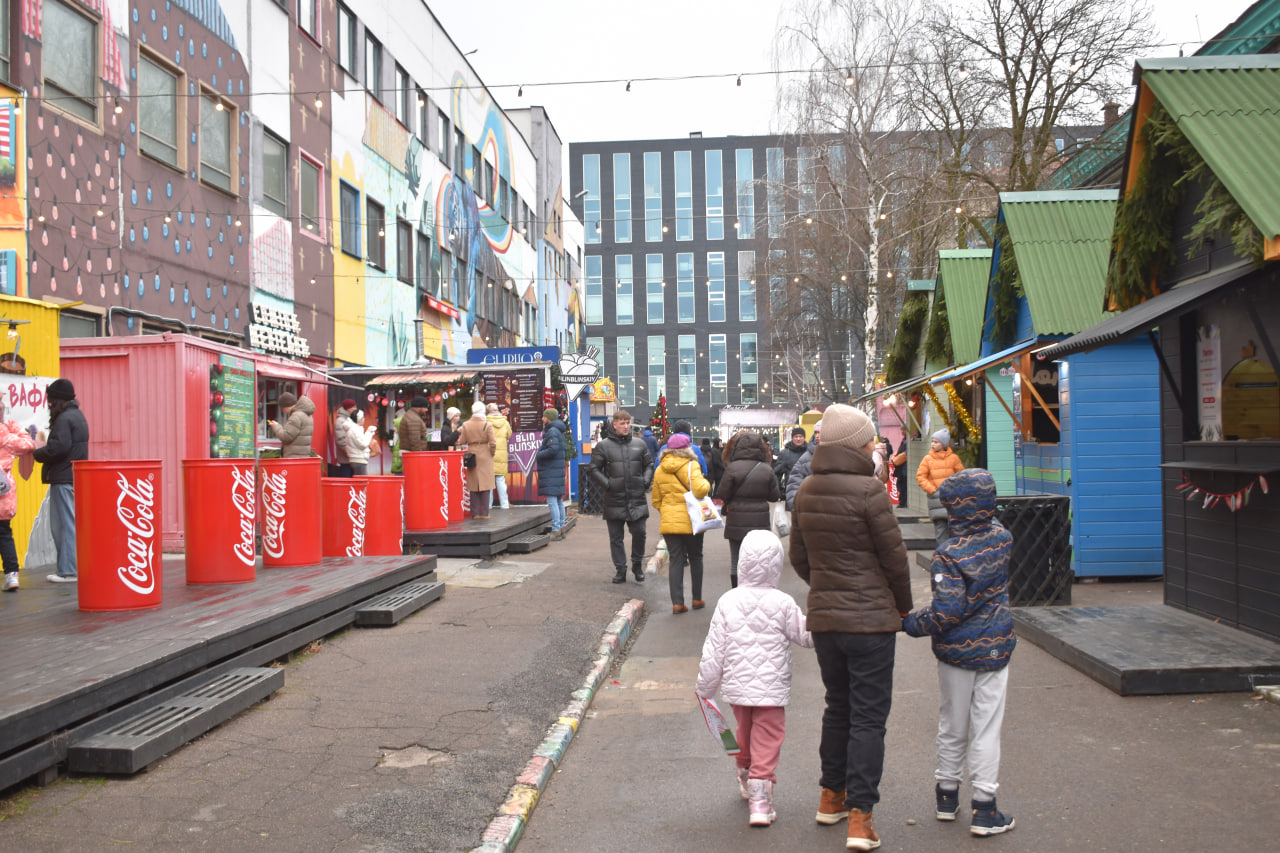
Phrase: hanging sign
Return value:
(1209, 377)
(276, 331)
(578, 370)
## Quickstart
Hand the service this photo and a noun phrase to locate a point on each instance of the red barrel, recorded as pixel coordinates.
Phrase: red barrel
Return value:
(117, 533)
(343, 500)
(219, 519)
(427, 484)
(459, 497)
(384, 517)
(290, 511)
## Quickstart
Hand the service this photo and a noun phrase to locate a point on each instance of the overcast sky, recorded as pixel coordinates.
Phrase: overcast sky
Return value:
(539, 41)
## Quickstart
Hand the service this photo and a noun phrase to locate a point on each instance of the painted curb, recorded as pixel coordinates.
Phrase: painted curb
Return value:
(504, 831)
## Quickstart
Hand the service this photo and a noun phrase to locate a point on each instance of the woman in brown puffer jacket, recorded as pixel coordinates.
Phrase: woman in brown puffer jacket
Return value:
(937, 465)
(747, 488)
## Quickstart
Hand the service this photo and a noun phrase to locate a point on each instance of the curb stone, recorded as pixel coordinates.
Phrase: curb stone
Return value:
(504, 831)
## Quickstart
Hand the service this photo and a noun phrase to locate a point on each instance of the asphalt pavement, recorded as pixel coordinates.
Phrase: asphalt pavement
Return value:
(409, 739)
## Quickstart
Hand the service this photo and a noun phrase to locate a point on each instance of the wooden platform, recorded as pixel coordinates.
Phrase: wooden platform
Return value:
(481, 537)
(69, 674)
(1151, 649)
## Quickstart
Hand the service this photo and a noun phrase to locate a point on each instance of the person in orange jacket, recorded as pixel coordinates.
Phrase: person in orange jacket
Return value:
(937, 465)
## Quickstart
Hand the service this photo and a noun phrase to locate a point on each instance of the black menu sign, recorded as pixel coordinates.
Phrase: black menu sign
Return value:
(521, 390)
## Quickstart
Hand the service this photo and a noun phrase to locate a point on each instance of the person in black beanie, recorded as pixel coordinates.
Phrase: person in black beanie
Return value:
(68, 441)
(684, 428)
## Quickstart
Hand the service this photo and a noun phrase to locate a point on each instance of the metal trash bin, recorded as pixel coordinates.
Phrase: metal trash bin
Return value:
(1040, 570)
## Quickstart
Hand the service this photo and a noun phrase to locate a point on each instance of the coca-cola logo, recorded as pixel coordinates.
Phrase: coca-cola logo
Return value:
(243, 489)
(355, 512)
(444, 490)
(275, 496)
(462, 480)
(135, 509)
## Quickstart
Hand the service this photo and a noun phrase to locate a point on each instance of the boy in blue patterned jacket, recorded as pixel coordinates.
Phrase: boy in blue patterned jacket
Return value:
(972, 630)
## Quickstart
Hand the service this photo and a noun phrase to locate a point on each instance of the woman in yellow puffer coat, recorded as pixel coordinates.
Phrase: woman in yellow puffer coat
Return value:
(937, 465)
(502, 435)
(678, 472)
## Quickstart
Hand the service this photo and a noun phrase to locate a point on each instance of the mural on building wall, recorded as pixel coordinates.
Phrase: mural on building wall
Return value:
(13, 197)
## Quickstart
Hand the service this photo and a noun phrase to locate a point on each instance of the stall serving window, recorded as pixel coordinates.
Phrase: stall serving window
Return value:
(1039, 399)
(269, 391)
(1237, 390)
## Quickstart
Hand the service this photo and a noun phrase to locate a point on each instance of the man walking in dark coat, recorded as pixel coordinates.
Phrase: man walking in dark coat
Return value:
(790, 455)
(68, 442)
(621, 471)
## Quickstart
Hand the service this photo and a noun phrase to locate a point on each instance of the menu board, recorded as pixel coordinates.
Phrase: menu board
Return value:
(231, 409)
(522, 391)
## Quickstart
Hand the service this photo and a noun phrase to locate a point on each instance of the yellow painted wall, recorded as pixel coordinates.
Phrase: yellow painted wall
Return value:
(39, 346)
(349, 341)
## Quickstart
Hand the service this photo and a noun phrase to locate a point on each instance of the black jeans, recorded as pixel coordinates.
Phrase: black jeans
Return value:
(735, 547)
(857, 670)
(618, 547)
(684, 547)
(8, 551)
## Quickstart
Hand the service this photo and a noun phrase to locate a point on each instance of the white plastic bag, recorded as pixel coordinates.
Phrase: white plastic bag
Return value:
(781, 520)
(40, 550)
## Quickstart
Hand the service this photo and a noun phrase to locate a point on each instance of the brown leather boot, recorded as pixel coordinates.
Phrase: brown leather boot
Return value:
(862, 833)
(831, 808)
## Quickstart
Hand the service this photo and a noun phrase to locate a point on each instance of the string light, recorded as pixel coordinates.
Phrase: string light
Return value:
(962, 72)
(848, 76)
(119, 109)
(628, 85)
(520, 92)
(739, 81)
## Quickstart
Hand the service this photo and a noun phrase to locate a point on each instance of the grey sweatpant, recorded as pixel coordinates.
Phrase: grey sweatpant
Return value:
(970, 716)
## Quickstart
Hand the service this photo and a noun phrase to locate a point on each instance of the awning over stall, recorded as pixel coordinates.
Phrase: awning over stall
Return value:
(986, 361)
(418, 377)
(904, 385)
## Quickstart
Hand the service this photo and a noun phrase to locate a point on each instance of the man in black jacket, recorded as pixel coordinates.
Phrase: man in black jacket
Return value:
(68, 442)
(790, 455)
(621, 471)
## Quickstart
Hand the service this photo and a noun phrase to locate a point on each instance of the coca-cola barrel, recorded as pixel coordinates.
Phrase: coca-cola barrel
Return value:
(384, 517)
(290, 511)
(219, 520)
(427, 483)
(459, 497)
(118, 516)
(343, 501)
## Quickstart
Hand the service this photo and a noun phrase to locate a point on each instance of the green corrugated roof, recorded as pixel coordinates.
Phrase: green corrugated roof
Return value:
(1062, 244)
(962, 276)
(1229, 109)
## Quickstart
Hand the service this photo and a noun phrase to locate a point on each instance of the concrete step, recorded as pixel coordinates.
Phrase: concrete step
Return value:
(919, 537)
(392, 607)
(136, 742)
(525, 544)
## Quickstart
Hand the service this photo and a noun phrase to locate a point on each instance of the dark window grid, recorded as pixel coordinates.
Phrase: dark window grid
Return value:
(310, 193)
(275, 178)
(349, 214)
(376, 233)
(404, 251)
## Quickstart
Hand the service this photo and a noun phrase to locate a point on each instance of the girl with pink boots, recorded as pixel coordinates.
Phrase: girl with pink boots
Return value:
(747, 657)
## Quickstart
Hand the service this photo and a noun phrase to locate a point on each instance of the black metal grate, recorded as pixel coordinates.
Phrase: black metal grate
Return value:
(589, 497)
(1040, 570)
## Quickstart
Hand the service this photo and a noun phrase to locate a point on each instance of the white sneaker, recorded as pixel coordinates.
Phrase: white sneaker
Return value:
(61, 578)
(10, 581)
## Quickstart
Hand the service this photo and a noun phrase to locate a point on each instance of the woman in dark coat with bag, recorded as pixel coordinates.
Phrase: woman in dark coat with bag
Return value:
(747, 488)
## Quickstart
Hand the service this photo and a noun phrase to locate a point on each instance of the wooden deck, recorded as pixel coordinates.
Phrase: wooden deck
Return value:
(481, 538)
(68, 674)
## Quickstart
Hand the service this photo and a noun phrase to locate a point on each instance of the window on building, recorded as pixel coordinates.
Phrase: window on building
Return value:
(622, 198)
(626, 370)
(459, 154)
(806, 184)
(275, 174)
(657, 380)
(653, 197)
(307, 17)
(444, 279)
(746, 193)
(404, 251)
(685, 298)
(653, 288)
(424, 118)
(349, 211)
(715, 287)
(775, 173)
(718, 361)
(500, 205)
(684, 195)
(373, 66)
(442, 137)
(749, 369)
(591, 201)
(4, 41)
(160, 111)
(530, 323)
(404, 98)
(217, 141)
(625, 296)
(747, 286)
(310, 192)
(477, 173)
(375, 237)
(714, 162)
(422, 267)
(70, 60)
(347, 39)
(595, 290)
(688, 354)
(486, 188)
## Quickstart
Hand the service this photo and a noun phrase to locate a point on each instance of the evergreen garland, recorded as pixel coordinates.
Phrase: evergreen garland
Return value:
(906, 343)
(1007, 287)
(937, 346)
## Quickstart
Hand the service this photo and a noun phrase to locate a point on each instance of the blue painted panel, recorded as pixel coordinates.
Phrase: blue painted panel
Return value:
(999, 432)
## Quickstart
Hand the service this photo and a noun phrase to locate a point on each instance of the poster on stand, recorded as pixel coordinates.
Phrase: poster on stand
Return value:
(231, 408)
(521, 390)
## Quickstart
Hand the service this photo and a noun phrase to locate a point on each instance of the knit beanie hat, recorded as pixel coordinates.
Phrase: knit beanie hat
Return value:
(800, 432)
(348, 404)
(477, 408)
(682, 426)
(843, 424)
(286, 400)
(677, 441)
(943, 437)
(60, 389)
(451, 411)
(419, 403)
(550, 414)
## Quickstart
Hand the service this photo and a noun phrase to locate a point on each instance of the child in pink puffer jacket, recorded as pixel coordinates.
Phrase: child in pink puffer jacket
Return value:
(747, 656)
(14, 441)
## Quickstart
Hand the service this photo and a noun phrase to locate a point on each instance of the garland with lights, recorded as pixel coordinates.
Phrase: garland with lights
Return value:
(1233, 500)
(962, 413)
(937, 404)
